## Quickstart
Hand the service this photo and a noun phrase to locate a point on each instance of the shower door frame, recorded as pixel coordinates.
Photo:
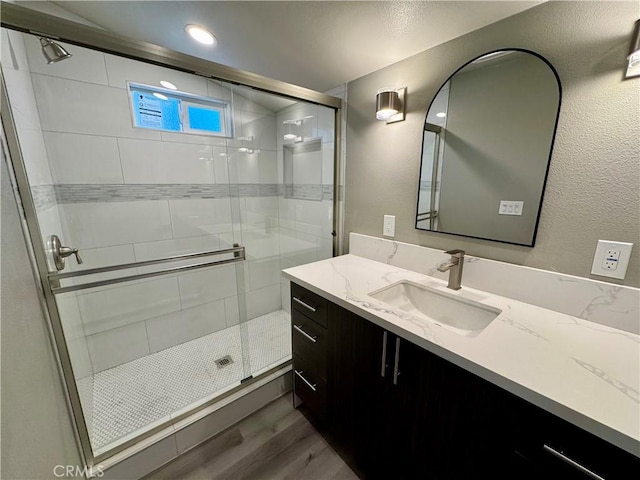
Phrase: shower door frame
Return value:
(36, 23)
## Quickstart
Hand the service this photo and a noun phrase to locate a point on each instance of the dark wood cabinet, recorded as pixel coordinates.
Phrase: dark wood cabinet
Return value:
(310, 342)
(395, 410)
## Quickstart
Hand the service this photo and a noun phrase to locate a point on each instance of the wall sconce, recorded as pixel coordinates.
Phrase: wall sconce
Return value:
(633, 68)
(390, 104)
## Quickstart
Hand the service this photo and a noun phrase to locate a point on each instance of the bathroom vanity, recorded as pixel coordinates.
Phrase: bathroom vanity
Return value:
(528, 393)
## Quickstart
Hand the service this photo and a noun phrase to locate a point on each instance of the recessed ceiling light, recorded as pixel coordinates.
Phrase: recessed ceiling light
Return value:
(168, 85)
(160, 96)
(441, 114)
(201, 34)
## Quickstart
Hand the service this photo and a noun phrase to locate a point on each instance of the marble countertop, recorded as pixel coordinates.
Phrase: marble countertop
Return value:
(584, 372)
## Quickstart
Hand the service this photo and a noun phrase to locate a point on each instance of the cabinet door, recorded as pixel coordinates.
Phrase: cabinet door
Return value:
(458, 430)
(372, 366)
(341, 393)
(407, 404)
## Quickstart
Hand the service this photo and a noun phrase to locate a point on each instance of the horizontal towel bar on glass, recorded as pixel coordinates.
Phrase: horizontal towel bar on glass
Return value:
(238, 256)
(427, 215)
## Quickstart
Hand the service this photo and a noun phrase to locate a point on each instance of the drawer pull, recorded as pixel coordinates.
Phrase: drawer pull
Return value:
(571, 462)
(306, 305)
(312, 387)
(298, 328)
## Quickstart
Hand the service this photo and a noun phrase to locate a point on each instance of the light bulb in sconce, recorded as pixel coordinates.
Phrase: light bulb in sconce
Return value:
(390, 104)
(441, 114)
(386, 113)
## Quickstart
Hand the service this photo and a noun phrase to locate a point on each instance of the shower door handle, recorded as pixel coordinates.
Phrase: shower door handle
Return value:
(61, 252)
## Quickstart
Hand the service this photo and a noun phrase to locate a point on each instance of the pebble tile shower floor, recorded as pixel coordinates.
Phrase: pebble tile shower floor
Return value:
(129, 397)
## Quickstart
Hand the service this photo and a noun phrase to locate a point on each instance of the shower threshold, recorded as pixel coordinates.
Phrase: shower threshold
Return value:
(126, 401)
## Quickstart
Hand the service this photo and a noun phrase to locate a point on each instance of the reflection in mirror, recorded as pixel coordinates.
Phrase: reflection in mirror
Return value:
(486, 148)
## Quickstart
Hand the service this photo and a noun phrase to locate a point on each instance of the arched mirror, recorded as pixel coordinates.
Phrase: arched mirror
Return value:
(486, 148)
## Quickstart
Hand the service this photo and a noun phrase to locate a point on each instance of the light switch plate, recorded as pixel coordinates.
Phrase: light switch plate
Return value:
(510, 207)
(389, 226)
(611, 259)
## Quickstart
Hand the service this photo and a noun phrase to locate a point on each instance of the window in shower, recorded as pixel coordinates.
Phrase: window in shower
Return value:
(173, 111)
(146, 350)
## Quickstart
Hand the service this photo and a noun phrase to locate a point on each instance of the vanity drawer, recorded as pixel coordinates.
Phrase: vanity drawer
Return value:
(310, 387)
(309, 304)
(555, 448)
(309, 342)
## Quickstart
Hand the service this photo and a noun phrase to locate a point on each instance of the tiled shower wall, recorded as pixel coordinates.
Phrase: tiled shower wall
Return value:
(306, 225)
(127, 195)
(16, 71)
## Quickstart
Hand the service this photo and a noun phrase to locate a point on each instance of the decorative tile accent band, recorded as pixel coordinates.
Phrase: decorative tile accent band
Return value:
(84, 193)
(308, 192)
(303, 192)
(71, 193)
(44, 197)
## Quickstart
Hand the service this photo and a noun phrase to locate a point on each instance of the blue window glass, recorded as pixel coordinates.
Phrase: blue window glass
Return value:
(206, 119)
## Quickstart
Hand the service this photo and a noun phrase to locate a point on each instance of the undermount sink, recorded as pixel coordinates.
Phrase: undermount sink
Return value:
(460, 315)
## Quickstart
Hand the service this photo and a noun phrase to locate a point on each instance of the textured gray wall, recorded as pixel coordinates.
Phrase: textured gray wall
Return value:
(593, 190)
(37, 433)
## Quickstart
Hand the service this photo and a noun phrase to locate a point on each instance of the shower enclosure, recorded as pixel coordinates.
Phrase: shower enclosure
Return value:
(184, 196)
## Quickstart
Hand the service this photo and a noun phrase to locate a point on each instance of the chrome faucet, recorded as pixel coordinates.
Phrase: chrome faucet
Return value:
(455, 268)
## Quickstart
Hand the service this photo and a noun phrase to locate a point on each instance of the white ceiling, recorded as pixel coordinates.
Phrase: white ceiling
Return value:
(318, 44)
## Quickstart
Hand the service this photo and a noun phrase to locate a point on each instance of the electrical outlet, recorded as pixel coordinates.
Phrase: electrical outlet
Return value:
(389, 226)
(611, 259)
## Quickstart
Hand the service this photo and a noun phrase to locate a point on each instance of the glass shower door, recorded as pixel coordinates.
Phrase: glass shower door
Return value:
(185, 198)
(147, 340)
(281, 160)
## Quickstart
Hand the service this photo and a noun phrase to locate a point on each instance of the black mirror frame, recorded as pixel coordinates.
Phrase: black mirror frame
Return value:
(546, 174)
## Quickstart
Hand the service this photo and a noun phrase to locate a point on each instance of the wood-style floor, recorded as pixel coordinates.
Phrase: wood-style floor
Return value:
(274, 443)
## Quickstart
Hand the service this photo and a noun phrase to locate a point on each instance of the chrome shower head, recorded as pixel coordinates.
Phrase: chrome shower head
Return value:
(52, 51)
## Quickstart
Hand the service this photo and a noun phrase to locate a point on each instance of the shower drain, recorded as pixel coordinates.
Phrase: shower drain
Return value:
(224, 361)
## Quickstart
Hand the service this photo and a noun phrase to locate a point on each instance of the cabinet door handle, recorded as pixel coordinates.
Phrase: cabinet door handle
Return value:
(396, 363)
(384, 353)
(312, 387)
(571, 462)
(306, 305)
(298, 328)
